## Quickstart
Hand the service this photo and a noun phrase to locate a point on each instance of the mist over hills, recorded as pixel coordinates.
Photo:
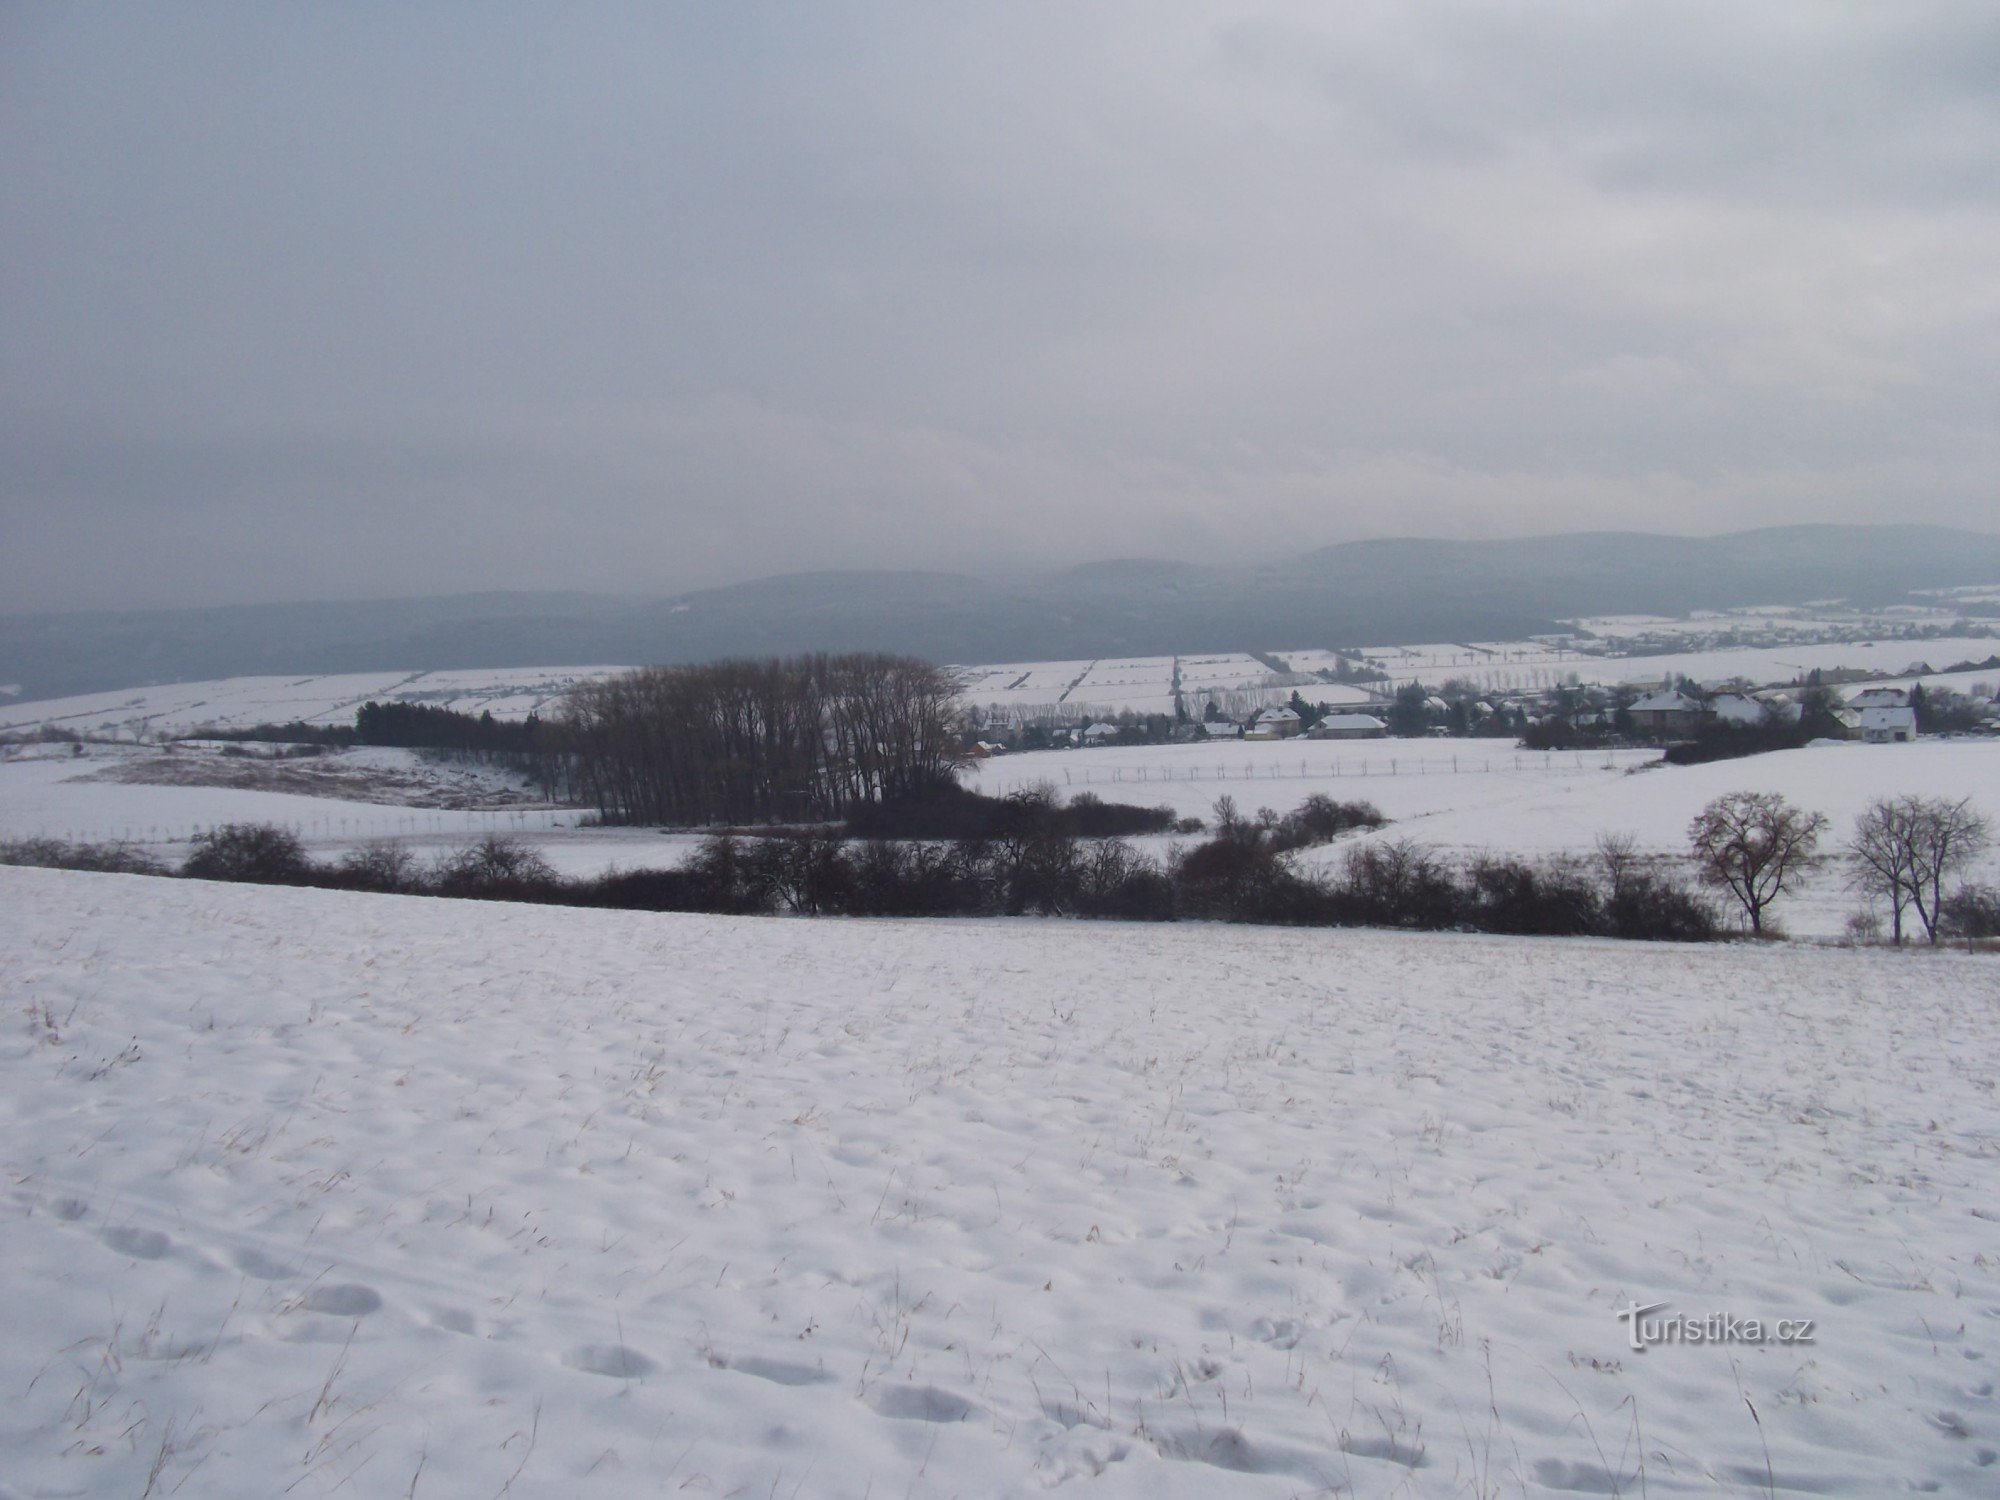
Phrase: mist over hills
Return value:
(1355, 593)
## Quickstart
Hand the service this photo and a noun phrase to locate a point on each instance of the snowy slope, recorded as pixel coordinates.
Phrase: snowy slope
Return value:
(418, 1197)
(244, 702)
(354, 794)
(1469, 796)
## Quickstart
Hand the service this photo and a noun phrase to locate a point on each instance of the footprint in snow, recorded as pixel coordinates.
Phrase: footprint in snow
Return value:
(343, 1300)
(264, 1267)
(140, 1244)
(777, 1371)
(1281, 1333)
(69, 1210)
(614, 1360)
(919, 1403)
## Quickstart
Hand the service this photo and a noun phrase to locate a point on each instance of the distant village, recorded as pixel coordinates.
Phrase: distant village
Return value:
(1736, 717)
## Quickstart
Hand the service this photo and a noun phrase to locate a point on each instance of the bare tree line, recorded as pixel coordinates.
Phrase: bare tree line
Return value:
(796, 739)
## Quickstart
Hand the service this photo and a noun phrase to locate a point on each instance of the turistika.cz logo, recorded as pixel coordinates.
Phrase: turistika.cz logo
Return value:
(1643, 1330)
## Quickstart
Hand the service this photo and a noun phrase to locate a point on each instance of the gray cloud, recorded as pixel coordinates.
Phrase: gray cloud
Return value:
(379, 300)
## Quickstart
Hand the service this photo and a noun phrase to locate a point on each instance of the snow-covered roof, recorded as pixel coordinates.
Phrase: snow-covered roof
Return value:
(1736, 708)
(1351, 721)
(1345, 695)
(1879, 697)
(1666, 703)
(1278, 716)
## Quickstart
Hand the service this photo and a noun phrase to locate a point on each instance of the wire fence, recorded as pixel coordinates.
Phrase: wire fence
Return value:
(388, 823)
(1552, 762)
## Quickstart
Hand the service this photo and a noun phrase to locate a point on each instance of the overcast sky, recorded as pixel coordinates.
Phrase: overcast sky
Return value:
(352, 300)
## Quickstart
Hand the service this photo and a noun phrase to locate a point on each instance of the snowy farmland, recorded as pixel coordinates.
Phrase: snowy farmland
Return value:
(1105, 686)
(244, 702)
(1462, 797)
(308, 1191)
(1789, 646)
(1467, 797)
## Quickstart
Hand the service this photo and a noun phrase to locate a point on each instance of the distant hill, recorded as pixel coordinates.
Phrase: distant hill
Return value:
(1357, 593)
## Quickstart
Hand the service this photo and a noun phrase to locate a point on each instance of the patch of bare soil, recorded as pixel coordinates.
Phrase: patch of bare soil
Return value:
(436, 786)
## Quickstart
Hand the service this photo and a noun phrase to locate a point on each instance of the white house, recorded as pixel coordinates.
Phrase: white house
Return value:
(1888, 726)
(1274, 724)
(1348, 727)
(1666, 713)
(1100, 733)
(1222, 729)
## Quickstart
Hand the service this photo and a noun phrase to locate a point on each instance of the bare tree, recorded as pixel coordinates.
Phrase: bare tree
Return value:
(1882, 850)
(1905, 848)
(1618, 857)
(1755, 845)
(1950, 836)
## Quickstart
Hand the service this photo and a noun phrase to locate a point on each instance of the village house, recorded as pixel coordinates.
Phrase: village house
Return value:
(1274, 724)
(1348, 727)
(1345, 698)
(1881, 697)
(1665, 714)
(1888, 725)
(1737, 710)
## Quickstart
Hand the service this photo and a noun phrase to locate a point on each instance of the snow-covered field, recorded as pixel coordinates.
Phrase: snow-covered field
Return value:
(244, 702)
(1461, 797)
(309, 1192)
(1106, 686)
(352, 796)
(1467, 797)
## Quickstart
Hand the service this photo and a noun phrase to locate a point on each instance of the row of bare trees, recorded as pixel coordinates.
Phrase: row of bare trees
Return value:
(1756, 846)
(790, 740)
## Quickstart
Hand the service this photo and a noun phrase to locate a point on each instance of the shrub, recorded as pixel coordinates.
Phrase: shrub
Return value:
(1397, 883)
(944, 811)
(722, 879)
(380, 865)
(918, 880)
(1035, 858)
(1091, 817)
(1641, 901)
(640, 890)
(1230, 876)
(1114, 881)
(1714, 742)
(1321, 820)
(1650, 905)
(806, 873)
(949, 811)
(1864, 927)
(1511, 895)
(499, 867)
(1971, 911)
(55, 854)
(261, 852)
